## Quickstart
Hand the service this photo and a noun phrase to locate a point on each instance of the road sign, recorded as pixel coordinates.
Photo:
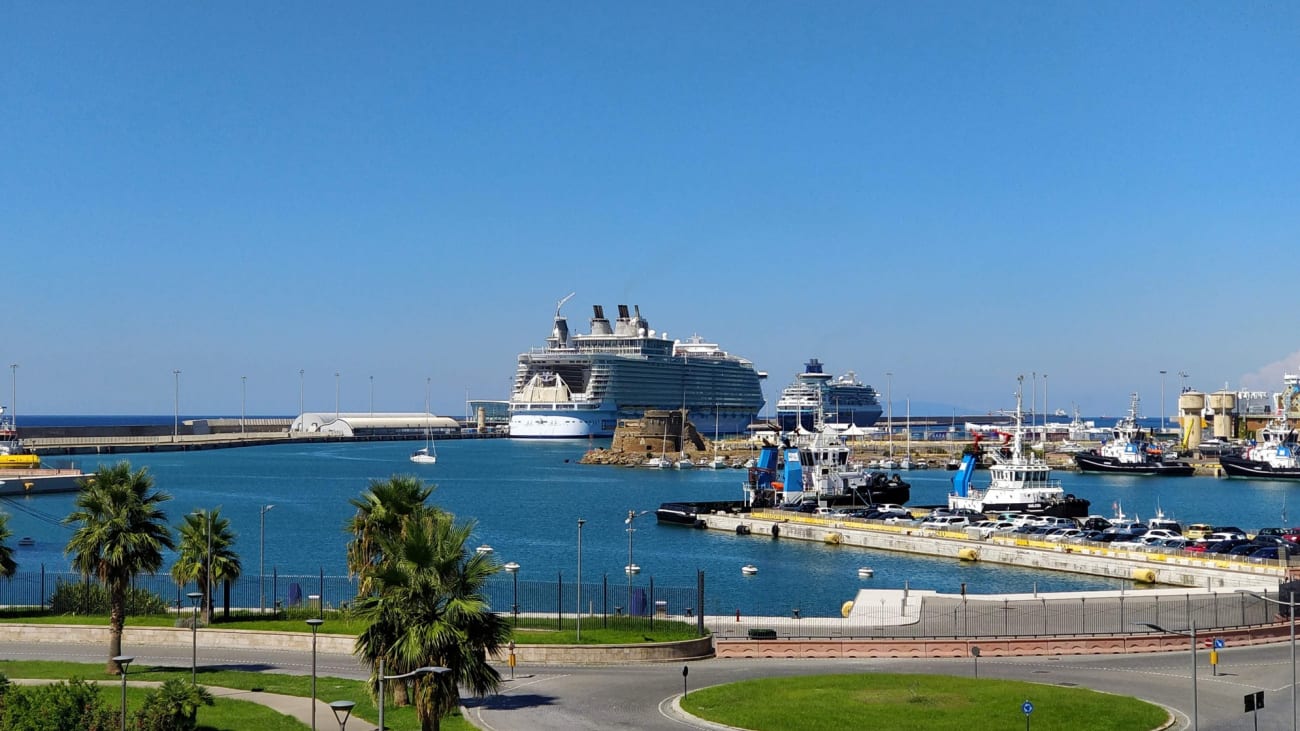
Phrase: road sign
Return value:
(1027, 707)
(1254, 701)
(1218, 643)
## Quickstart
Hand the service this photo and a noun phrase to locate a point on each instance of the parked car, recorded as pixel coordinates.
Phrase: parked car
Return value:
(1271, 553)
(1225, 546)
(1197, 531)
(1065, 534)
(1179, 543)
(1218, 536)
(1095, 522)
(946, 522)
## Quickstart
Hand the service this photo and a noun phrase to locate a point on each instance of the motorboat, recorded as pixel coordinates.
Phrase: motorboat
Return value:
(1018, 481)
(1272, 456)
(749, 569)
(1129, 452)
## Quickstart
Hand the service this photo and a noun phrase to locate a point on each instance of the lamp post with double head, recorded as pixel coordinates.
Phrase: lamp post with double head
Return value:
(578, 625)
(413, 674)
(176, 411)
(315, 624)
(512, 568)
(631, 569)
(301, 371)
(1190, 633)
(123, 661)
(261, 559)
(1291, 610)
(243, 403)
(194, 596)
(1164, 415)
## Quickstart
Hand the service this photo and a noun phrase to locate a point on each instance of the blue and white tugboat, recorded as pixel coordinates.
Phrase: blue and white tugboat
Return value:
(1130, 452)
(1273, 456)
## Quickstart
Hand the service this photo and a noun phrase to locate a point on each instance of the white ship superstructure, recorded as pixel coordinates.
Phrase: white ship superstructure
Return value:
(582, 385)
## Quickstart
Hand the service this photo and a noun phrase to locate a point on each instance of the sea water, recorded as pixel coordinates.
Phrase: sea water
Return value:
(527, 497)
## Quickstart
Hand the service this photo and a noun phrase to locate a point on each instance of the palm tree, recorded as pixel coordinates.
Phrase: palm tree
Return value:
(380, 511)
(7, 564)
(428, 608)
(120, 532)
(197, 546)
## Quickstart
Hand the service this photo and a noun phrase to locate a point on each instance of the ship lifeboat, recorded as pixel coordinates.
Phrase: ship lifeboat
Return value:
(749, 569)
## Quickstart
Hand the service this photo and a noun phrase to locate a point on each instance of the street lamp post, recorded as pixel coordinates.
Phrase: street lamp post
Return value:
(578, 625)
(336, 395)
(123, 661)
(1164, 414)
(315, 624)
(372, 396)
(414, 673)
(889, 406)
(342, 709)
(300, 420)
(631, 569)
(13, 402)
(261, 559)
(243, 402)
(194, 636)
(512, 568)
(1291, 609)
(1191, 633)
(176, 413)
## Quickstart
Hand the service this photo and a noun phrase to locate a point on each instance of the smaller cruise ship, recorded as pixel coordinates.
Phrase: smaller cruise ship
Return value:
(844, 400)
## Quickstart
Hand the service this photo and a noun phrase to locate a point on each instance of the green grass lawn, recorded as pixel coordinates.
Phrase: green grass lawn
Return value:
(327, 688)
(915, 702)
(532, 630)
(225, 714)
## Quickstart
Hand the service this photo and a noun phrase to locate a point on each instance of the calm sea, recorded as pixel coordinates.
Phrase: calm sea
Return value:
(527, 497)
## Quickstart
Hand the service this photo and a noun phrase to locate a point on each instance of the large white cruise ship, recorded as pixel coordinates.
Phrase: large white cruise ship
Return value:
(581, 385)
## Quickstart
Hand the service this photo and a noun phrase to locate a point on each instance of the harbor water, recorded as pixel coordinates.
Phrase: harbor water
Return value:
(527, 497)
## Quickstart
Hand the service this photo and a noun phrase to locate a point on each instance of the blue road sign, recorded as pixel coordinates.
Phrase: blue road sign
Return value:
(1218, 643)
(1028, 708)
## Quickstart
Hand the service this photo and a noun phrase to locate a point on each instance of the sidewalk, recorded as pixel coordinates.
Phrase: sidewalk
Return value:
(289, 705)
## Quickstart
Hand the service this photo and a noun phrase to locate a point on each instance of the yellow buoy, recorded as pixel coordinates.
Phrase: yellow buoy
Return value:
(846, 608)
(833, 538)
(968, 554)
(1145, 576)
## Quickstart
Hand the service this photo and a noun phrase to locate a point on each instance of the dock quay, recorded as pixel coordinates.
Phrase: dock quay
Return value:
(1140, 565)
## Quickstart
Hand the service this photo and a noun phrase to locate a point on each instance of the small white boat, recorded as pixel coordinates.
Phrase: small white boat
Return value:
(684, 464)
(866, 572)
(632, 569)
(428, 454)
(658, 463)
(27, 541)
(484, 549)
(749, 569)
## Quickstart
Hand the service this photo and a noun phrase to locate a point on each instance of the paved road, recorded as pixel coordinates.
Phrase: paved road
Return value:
(636, 696)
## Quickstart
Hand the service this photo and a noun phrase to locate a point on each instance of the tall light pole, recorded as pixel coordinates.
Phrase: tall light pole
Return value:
(1196, 724)
(1183, 375)
(261, 559)
(631, 569)
(13, 402)
(315, 624)
(578, 632)
(194, 635)
(413, 674)
(1164, 415)
(300, 419)
(176, 414)
(336, 395)
(889, 404)
(1291, 609)
(372, 397)
(123, 661)
(512, 568)
(243, 401)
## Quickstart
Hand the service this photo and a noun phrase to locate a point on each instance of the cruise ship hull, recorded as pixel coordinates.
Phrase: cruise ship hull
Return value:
(543, 424)
(861, 417)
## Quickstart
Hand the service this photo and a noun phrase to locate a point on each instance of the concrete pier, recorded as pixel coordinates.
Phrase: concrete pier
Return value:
(1148, 566)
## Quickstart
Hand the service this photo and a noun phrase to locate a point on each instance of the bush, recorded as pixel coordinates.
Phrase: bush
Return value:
(72, 705)
(173, 707)
(92, 598)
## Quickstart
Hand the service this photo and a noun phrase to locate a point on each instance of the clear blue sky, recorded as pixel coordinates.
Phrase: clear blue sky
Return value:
(955, 192)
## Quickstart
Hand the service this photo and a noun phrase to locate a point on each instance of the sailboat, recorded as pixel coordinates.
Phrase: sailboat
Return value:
(718, 461)
(906, 462)
(428, 454)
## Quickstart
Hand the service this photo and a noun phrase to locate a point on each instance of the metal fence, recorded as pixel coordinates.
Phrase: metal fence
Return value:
(558, 603)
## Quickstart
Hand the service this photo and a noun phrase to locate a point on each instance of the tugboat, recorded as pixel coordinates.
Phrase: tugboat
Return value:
(1017, 482)
(1274, 456)
(1129, 452)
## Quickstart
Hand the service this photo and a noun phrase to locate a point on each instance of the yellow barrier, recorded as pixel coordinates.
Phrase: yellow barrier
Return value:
(1145, 576)
(968, 554)
(833, 538)
(846, 608)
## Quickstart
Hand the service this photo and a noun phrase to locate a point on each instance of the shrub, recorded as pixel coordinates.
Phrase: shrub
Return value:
(91, 598)
(172, 707)
(72, 705)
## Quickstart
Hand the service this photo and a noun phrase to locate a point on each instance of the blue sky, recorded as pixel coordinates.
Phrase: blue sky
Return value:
(954, 192)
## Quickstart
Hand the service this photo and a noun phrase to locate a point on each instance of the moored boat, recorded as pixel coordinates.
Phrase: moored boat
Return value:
(1017, 482)
(1273, 455)
(22, 473)
(1130, 452)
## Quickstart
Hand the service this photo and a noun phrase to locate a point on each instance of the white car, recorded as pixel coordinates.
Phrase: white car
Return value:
(1064, 534)
(946, 522)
